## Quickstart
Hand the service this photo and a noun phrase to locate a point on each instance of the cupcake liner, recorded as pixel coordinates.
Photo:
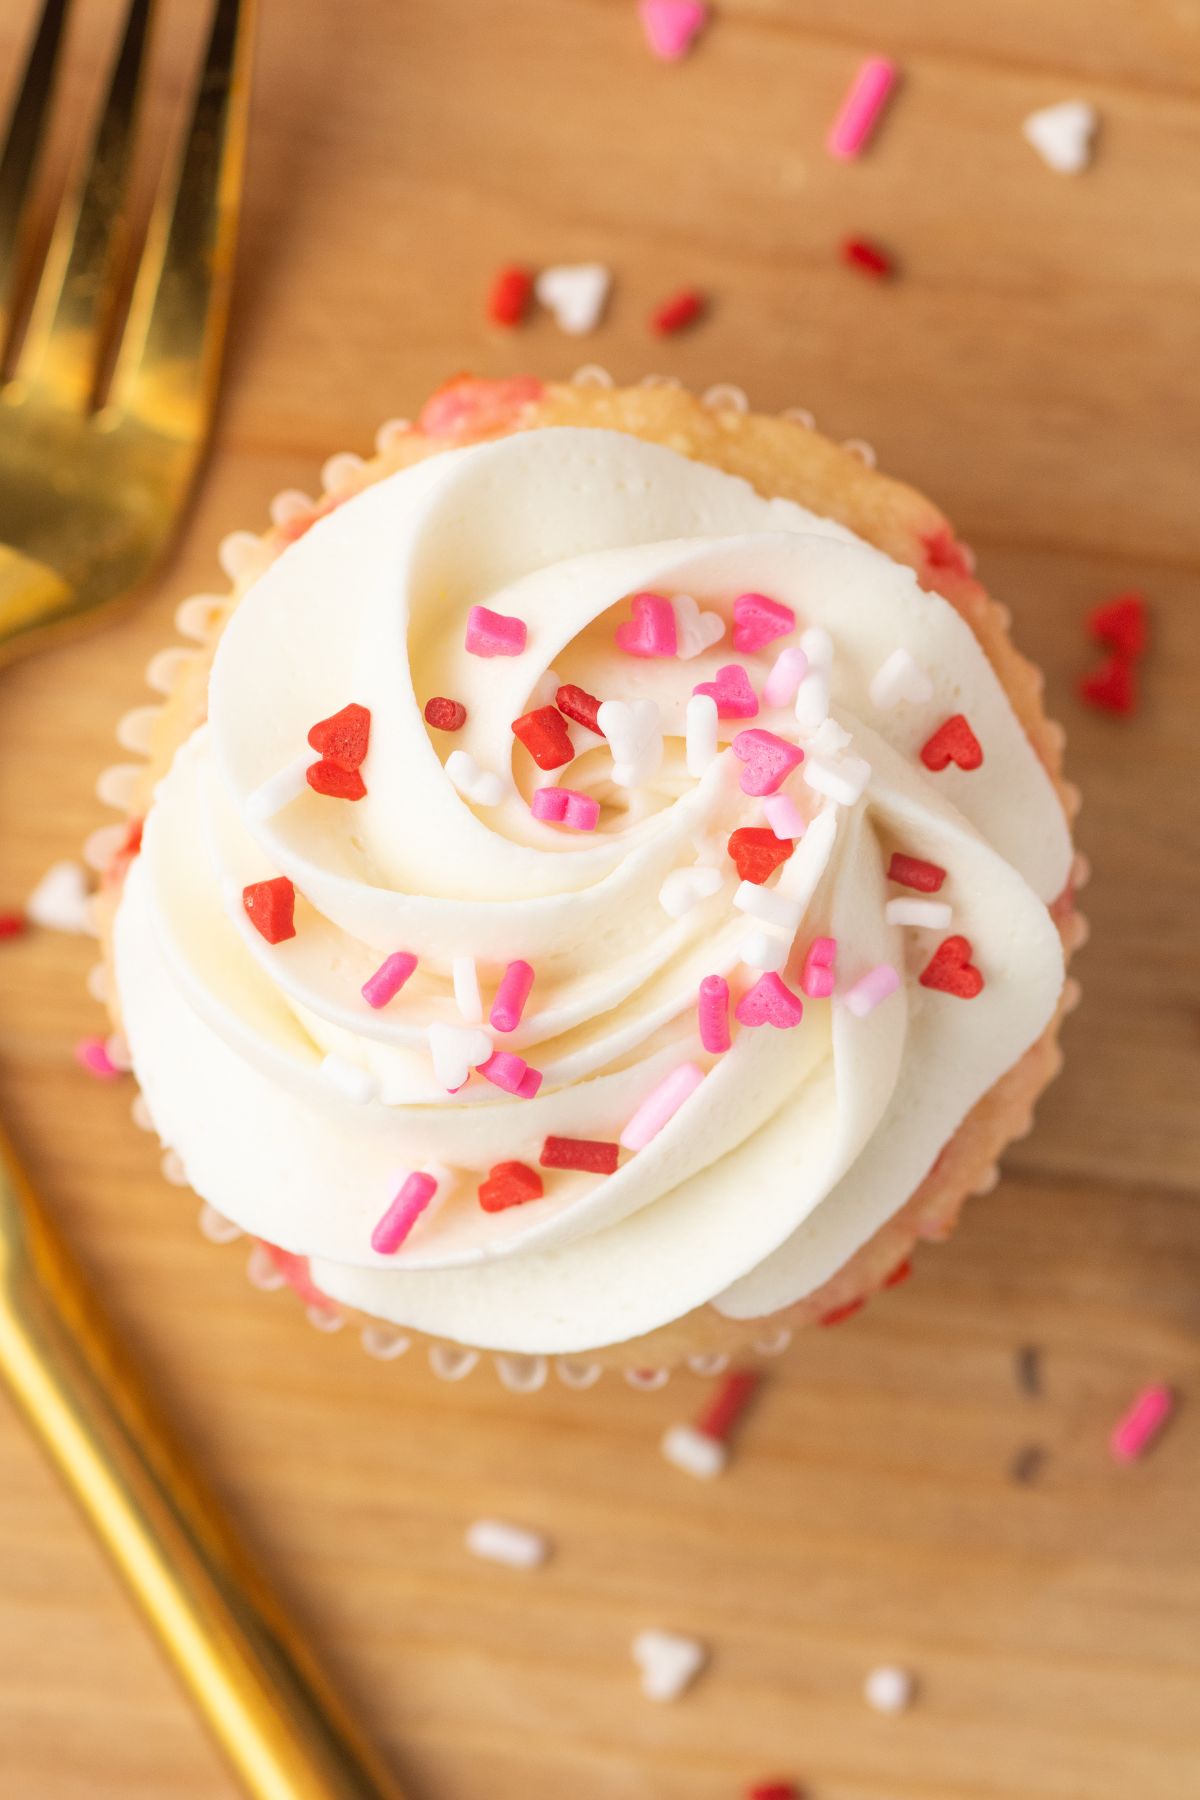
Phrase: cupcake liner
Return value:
(780, 455)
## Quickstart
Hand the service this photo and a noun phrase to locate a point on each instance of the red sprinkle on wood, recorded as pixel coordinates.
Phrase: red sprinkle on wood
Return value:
(588, 1154)
(677, 313)
(270, 907)
(774, 1790)
(12, 924)
(868, 258)
(509, 295)
(728, 1403)
(1122, 624)
(1112, 688)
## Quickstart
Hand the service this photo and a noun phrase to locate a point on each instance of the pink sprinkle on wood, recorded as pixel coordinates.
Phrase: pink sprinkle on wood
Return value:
(860, 110)
(91, 1053)
(713, 1010)
(494, 634)
(671, 25)
(660, 1106)
(817, 979)
(877, 985)
(418, 1190)
(1137, 1429)
(784, 817)
(388, 979)
(511, 995)
(566, 806)
(512, 1073)
(788, 671)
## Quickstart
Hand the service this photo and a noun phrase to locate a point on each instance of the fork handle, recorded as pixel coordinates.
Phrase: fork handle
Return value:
(31, 593)
(241, 1660)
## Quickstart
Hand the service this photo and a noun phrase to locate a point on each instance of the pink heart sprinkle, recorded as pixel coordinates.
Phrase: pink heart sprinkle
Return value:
(769, 760)
(92, 1054)
(566, 806)
(494, 634)
(671, 26)
(769, 1002)
(817, 978)
(652, 630)
(731, 690)
(758, 621)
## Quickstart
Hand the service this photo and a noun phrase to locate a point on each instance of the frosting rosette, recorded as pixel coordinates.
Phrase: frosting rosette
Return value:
(652, 967)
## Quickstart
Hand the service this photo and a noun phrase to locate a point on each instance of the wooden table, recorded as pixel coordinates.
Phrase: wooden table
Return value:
(1034, 367)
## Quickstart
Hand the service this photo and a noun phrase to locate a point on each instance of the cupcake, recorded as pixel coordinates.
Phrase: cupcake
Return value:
(600, 889)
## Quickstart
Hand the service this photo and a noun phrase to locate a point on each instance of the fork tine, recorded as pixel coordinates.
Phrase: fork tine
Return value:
(62, 343)
(25, 132)
(167, 366)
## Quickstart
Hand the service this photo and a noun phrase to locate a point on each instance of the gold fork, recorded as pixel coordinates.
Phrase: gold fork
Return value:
(89, 496)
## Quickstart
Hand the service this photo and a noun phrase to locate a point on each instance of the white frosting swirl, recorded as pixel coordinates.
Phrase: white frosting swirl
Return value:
(799, 1144)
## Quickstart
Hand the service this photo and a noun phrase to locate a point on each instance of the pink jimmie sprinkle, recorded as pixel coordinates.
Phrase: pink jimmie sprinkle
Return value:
(92, 1054)
(511, 996)
(388, 979)
(652, 631)
(713, 1009)
(565, 806)
(817, 978)
(494, 634)
(1137, 1429)
(783, 816)
(512, 1073)
(769, 760)
(861, 108)
(661, 1106)
(403, 1213)
(769, 1002)
(787, 672)
(873, 988)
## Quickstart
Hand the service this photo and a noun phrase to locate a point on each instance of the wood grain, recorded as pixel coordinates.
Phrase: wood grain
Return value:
(1034, 368)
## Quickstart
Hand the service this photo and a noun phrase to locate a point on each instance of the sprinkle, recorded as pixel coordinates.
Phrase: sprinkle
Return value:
(843, 782)
(757, 852)
(685, 888)
(953, 741)
(565, 806)
(951, 971)
(270, 907)
(588, 1154)
(670, 26)
(343, 739)
(930, 915)
(1062, 135)
(779, 910)
(414, 1196)
(509, 1184)
(817, 979)
(480, 786)
(758, 621)
(1029, 1370)
(349, 1079)
(511, 995)
(1113, 687)
(677, 313)
(817, 645)
(575, 293)
(899, 678)
(279, 790)
(773, 1790)
(731, 690)
(727, 1404)
(1137, 1428)
(388, 978)
(634, 732)
(455, 1050)
(512, 1073)
(712, 1007)
(769, 1002)
(889, 1689)
(860, 110)
(651, 631)
(668, 1663)
(787, 672)
(60, 901)
(695, 631)
(693, 1452)
(660, 1106)
(465, 977)
(784, 817)
(91, 1053)
(509, 295)
(910, 871)
(445, 715)
(12, 924)
(1121, 623)
(837, 1315)
(871, 990)
(494, 634)
(812, 700)
(493, 1540)
(769, 760)
(576, 703)
(330, 778)
(544, 734)
(1026, 1465)
(829, 740)
(900, 1274)
(867, 257)
(701, 733)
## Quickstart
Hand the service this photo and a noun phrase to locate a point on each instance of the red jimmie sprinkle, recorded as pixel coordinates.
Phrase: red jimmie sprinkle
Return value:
(1113, 687)
(862, 254)
(344, 738)
(12, 924)
(1121, 623)
(899, 1274)
(509, 1184)
(952, 742)
(509, 295)
(579, 705)
(838, 1313)
(911, 872)
(951, 971)
(445, 715)
(326, 777)
(728, 1403)
(677, 313)
(774, 1790)
(270, 907)
(544, 734)
(580, 1153)
(757, 852)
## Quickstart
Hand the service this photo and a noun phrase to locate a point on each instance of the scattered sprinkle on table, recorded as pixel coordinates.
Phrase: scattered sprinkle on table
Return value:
(1063, 135)
(867, 257)
(1122, 624)
(1029, 1370)
(889, 1689)
(1026, 1465)
(672, 26)
(91, 1053)
(677, 313)
(12, 925)
(516, 1546)
(1112, 688)
(509, 295)
(668, 1662)
(859, 112)
(1138, 1427)
(576, 294)
(774, 1790)
(61, 900)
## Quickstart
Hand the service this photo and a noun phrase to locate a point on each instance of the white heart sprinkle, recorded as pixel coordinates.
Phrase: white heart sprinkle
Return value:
(669, 1663)
(575, 293)
(1062, 135)
(830, 740)
(634, 732)
(695, 631)
(478, 785)
(685, 888)
(899, 678)
(456, 1050)
(766, 950)
(60, 901)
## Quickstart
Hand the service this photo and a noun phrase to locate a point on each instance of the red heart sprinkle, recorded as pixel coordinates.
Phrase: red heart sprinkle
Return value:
(511, 292)
(579, 705)
(580, 1153)
(445, 715)
(911, 872)
(544, 734)
(270, 907)
(952, 742)
(1112, 687)
(343, 739)
(951, 971)
(677, 313)
(509, 1184)
(860, 253)
(1121, 623)
(757, 852)
(331, 778)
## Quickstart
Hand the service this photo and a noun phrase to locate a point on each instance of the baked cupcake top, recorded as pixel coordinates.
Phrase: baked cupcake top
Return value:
(598, 890)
